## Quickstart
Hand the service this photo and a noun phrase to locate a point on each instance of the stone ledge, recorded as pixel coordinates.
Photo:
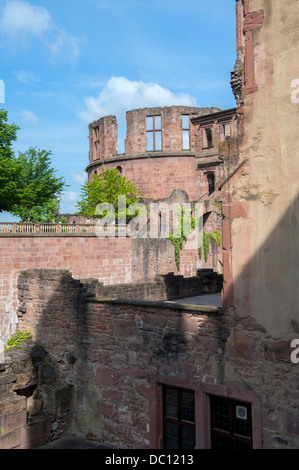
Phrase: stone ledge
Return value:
(166, 304)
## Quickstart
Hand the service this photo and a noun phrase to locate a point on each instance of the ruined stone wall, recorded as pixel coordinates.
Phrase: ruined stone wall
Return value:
(158, 171)
(116, 355)
(110, 260)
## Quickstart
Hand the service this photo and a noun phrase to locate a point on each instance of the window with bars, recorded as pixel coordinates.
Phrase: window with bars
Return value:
(231, 424)
(186, 131)
(154, 133)
(178, 418)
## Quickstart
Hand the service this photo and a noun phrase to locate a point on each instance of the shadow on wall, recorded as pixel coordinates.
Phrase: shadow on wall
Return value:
(52, 308)
(100, 364)
(267, 287)
(96, 362)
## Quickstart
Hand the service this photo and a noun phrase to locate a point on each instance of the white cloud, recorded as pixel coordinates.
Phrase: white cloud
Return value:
(120, 95)
(26, 77)
(20, 18)
(69, 196)
(21, 22)
(28, 117)
(79, 178)
(65, 45)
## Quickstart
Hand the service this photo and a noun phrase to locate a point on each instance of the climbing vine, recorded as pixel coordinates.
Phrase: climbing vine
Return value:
(180, 234)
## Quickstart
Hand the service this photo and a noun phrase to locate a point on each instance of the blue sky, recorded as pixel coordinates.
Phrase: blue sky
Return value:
(65, 63)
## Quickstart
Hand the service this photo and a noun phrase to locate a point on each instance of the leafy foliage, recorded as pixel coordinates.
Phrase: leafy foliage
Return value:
(9, 168)
(106, 190)
(18, 339)
(26, 182)
(180, 233)
(37, 184)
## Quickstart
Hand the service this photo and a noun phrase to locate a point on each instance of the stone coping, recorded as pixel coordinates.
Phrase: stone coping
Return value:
(157, 304)
(145, 155)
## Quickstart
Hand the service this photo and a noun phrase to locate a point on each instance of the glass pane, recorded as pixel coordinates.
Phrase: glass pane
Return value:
(150, 141)
(185, 140)
(171, 403)
(158, 141)
(188, 438)
(242, 426)
(185, 122)
(221, 414)
(150, 123)
(188, 406)
(220, 442)
(171, 436)
(158, 122)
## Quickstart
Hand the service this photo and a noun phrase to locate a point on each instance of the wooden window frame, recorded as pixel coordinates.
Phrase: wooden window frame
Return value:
(179, 421)
(230, 434)
(202, 392)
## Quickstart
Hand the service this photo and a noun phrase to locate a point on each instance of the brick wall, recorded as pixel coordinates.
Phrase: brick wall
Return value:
(116, 354)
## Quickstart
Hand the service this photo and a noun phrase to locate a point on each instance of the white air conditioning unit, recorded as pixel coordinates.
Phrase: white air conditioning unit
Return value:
(241, 412)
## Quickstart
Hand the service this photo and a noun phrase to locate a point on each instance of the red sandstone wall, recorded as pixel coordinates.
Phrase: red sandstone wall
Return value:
(157, 177)
(121, 354)
(111, 260)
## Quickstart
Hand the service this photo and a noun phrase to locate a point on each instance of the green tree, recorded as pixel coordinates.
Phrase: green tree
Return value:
(44, 214)
(106, 189)
(37, 183)
(9, 167)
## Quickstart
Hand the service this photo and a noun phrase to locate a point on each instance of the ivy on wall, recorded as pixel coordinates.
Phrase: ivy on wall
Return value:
(180, 235)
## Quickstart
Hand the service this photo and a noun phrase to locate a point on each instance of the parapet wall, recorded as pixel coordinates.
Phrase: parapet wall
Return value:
(109, 260)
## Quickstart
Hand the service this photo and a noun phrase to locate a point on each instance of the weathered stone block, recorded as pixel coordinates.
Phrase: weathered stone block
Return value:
(10, 441)
(106, 377)
(14, 421)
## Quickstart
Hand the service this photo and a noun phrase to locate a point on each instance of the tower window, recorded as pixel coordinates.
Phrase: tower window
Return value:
(186, 131)
(154, 133)
(96, 142)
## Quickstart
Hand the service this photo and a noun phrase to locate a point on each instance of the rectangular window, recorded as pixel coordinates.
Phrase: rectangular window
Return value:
(231, 425)
(207, 138)
(186, 131)
(154, 133)
(178, 418)
(96, 142)
(225, 132)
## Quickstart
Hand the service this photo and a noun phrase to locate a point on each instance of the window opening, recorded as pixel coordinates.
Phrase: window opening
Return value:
(186, 131)
(96, 142)
(208, 138)
(231, 424)
(178, 418)
(154, 133)
(211, 182)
